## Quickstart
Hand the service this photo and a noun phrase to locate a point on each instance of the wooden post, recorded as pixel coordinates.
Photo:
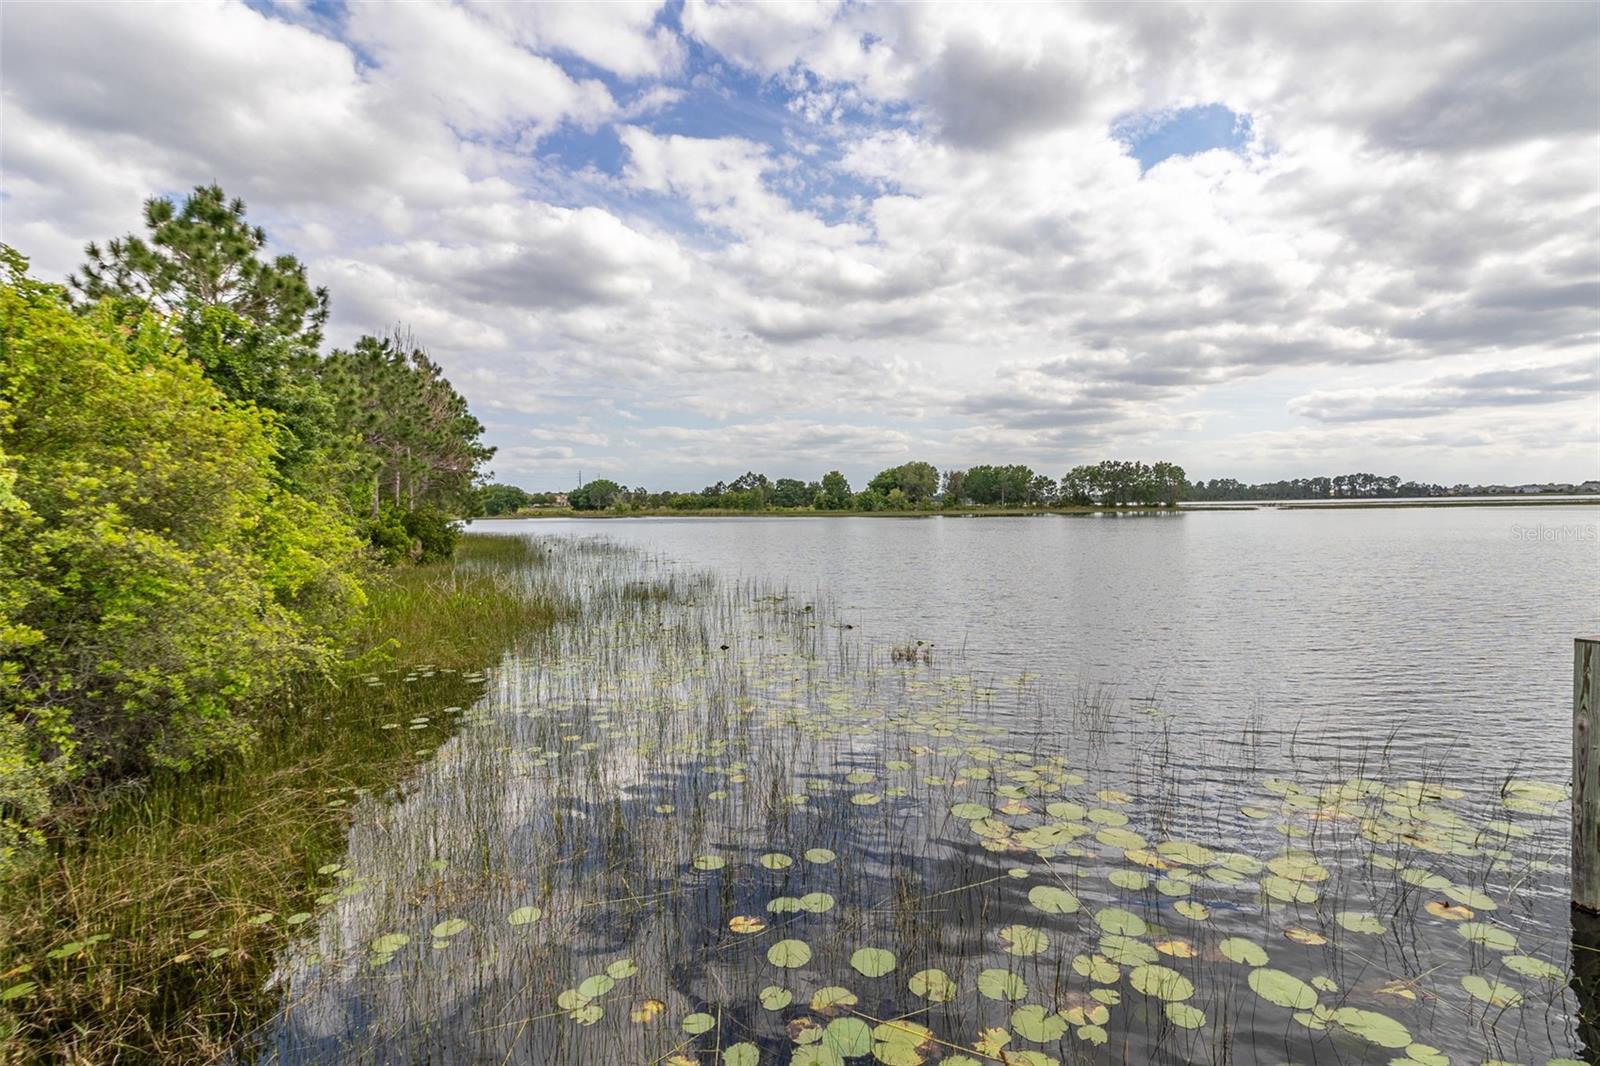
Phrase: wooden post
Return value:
(1586, 773)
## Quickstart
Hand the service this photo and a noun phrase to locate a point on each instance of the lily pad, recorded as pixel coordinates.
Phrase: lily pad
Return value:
(790, 954)
(1053, 899)
(935, 986)
(1001, 985)
(872, 962)
(1282, 989)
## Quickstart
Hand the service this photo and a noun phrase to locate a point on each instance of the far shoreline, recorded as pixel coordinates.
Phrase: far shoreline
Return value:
(1034, 512)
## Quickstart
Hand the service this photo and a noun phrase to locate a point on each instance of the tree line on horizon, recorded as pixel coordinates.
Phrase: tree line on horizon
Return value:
(912, 486)
(921, 486)
(194, 498)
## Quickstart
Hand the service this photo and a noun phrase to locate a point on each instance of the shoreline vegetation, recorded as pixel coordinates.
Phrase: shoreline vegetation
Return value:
(216, 540)
(150, 930)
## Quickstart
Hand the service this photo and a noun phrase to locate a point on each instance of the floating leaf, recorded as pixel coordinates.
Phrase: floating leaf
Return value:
(934, 986)
(1490, 936)
(1468, 896)
(831, 999)
(524, 915)
(816, 1055)
(1491, 992)
(1119, 921)
(389, 943)
(776, 861)
(850, 1037)
(789, 953)
(597, 986)
(1024, 940)
(1197, 912)
(741, 1055)
(816, 902)
(1440, 909)
(1375, 1028)
(1238, 949)
(1161, 982)
(1287, 890)
(1185, 1016)
(1035, 1023)
(872, 962)
(698, 1023)
(1360, 922)
(774, 998)
(746, 923)
(709, 862)
(819, 855)
(1052, 899)
(448, 928)
(622, 969)
(1282, 989)
(1001, 984)
(1528, 966)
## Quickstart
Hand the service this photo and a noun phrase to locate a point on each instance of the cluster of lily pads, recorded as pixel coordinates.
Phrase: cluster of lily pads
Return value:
(717, 827)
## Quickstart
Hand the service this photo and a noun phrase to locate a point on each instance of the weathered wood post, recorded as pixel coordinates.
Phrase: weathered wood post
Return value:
(1586, 774)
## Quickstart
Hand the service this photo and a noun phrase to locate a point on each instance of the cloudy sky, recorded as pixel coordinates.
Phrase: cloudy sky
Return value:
(669, 243)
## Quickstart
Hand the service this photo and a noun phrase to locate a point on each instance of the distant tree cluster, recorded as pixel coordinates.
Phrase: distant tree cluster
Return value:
(1342, 487)
(912, 486)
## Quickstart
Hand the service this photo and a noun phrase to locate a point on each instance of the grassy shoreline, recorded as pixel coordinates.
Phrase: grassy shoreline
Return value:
(142, 933)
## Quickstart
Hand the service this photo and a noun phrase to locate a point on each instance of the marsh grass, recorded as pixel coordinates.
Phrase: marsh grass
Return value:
(171, 871)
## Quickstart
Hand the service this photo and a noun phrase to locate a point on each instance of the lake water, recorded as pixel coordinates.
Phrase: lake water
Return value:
(1444, 635)
(1211, 787)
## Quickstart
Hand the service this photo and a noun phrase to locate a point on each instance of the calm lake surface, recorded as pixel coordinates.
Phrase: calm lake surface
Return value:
(1444, 635)
(1211, 787)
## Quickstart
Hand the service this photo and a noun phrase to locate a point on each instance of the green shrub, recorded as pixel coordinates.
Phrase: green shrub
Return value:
(157, 577)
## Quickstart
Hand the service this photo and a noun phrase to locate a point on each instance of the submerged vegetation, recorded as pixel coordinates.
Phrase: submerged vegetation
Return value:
(149, 932)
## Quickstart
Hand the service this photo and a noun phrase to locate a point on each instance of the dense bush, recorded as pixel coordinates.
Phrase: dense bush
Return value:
(156, 575)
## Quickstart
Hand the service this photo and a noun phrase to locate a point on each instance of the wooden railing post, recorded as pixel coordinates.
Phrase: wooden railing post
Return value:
(1586, 773)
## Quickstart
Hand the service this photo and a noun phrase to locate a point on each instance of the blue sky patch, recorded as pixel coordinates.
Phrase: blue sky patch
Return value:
(1152, 137)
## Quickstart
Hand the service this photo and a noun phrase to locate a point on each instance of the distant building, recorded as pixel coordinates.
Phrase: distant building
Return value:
(559, 499)
(1587, 486)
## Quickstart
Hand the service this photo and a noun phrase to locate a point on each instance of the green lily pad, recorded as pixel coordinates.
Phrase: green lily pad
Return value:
(872, 962)
(1185, 1016)
(1491, 992)
(1238, 949)
(850, 1037)
(934, 986)
(1001, 985)
(1120, 922)
(448, 928)
(1052, 899)
(1035, 1023)
(790, 954)
(1161, 982)
(1282, 989)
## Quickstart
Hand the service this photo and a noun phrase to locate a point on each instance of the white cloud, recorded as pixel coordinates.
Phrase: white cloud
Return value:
(915, 234)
